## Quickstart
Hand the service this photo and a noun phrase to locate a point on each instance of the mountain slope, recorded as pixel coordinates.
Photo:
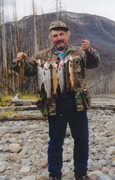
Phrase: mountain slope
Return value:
(99, 30)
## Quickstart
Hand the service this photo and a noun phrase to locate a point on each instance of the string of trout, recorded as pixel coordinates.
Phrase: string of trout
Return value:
(56, 78)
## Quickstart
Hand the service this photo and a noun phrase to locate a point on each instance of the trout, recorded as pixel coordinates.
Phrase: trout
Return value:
(40, 74)
(58, 77)
(61, 76)
(47, 79)
(55, 78)
(73, 68)
(71, 73)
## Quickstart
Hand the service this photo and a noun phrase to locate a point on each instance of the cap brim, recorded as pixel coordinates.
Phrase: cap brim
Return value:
(60, 28)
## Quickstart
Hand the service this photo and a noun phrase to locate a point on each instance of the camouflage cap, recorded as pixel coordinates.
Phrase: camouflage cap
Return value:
(58, 25)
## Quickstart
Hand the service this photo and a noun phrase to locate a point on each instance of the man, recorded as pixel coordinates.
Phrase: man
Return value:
(69, 107)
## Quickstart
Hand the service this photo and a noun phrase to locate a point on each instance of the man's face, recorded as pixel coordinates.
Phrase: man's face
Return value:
(59, 39)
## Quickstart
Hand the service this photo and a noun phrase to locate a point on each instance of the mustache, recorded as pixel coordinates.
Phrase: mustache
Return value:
(59, 41)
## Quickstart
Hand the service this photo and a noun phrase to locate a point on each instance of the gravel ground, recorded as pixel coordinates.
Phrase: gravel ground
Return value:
(23, 148)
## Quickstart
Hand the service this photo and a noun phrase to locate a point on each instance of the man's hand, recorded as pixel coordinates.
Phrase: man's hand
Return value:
(20, 56)
(85, 45)
(32, 60)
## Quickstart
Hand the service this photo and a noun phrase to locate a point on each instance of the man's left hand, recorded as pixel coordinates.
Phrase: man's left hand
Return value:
(85, 45)
(32, 60)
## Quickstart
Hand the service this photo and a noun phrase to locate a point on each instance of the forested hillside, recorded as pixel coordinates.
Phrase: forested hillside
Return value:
(30, 35)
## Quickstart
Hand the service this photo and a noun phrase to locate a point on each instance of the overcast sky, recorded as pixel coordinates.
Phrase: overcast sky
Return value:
(104, 8)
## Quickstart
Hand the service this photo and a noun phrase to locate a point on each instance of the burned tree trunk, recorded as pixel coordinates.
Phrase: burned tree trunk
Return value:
(4, 56)
(36, 48)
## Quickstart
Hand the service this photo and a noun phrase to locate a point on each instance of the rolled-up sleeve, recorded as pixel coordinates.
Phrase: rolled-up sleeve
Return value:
(29, 69)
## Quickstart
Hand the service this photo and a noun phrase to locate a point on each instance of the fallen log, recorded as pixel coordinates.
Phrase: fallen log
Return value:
(19, 108)
(15, 113)
(27, 115)
(103, 107)
(35, 107)
(21, 117)
(21, 102)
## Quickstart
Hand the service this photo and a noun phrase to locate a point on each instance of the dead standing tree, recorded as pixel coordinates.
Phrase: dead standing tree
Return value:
(36, 46)
(19, 77)
(3, 50)
(13, 48)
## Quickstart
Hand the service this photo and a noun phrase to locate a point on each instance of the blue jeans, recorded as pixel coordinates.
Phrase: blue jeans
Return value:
(78, 123)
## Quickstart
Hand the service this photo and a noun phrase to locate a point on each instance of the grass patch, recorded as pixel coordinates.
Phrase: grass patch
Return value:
(4, 100)
(7, 113)
(28, 97)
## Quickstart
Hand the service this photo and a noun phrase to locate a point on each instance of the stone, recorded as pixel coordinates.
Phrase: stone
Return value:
(113, 163)
(2, 166)
(101, 148)
(15, 148)
(102, 163)
(29, 162)
(4, 178)
(112, 177)
(111, 150)
(14, 157)
(105, 170)
(42, 177)
(99, 175)
(44, 164)
(25, 169)
(29, 178)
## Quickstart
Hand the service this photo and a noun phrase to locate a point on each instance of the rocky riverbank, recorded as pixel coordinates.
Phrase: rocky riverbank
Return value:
(23, 148)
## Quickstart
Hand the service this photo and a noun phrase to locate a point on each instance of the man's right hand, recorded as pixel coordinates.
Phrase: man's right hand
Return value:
(20, 56)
